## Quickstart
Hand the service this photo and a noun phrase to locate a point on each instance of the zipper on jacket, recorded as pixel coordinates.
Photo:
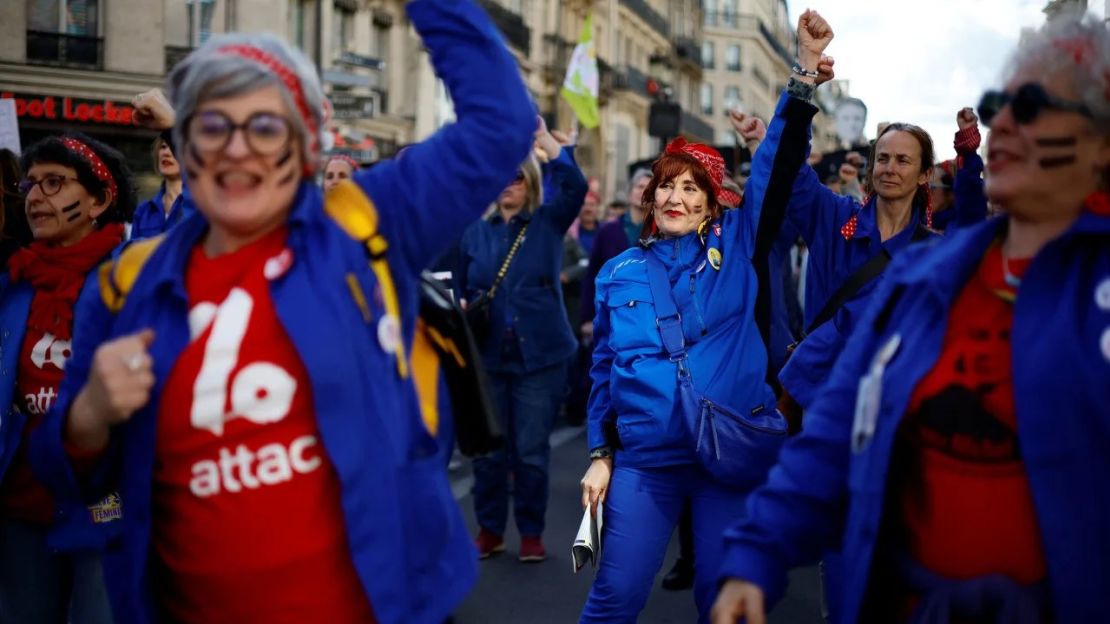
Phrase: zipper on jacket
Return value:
(697, 306)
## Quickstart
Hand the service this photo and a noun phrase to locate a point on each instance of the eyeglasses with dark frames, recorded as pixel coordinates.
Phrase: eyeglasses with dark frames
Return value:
(1026, 103)
(49, 185)
(266, 134)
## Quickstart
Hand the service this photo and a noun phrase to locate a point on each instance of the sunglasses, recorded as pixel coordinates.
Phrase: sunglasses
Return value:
(1026, 104)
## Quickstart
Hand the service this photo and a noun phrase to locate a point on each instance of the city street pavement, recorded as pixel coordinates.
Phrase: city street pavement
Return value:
(510, 592)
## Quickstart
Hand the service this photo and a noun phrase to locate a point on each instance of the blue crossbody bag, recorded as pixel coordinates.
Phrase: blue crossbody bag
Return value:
(736, 450)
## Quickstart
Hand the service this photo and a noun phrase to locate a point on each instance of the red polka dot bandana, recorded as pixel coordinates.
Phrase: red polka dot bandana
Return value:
(714, 165)
(344, 158)
(292, 84)
(99, 169)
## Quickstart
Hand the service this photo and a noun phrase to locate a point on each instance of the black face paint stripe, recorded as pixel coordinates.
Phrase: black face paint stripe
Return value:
(287, 179)
(1056, 161)
(71, 207)
(73, 217)
(284, 158)
(1057, 141)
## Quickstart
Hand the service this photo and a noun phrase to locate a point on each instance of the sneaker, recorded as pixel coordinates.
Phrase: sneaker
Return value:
(489, 544)
(532, 550)
(680, 577)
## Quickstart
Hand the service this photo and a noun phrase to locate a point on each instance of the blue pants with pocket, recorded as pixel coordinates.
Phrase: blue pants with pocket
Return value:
(641, 510)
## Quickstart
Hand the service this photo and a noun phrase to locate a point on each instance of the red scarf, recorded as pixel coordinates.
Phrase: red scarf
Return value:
(57, 275)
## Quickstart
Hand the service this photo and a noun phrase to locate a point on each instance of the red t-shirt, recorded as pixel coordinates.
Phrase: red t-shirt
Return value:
(41, 367)
(965, 498)
(248, 524)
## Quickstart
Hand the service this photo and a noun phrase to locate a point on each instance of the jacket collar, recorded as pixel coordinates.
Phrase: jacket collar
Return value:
(866, 219)
(174, 251)
(949, 262)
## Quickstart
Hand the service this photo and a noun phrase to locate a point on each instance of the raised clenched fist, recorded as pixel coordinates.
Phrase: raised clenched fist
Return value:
(814, 35)
(967, 118)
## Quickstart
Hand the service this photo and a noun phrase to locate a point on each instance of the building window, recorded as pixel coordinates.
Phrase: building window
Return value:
(729, 10)
(64, 32)
(343, 28)
(732, 58)
(708, 54)
(731, 99)
(706, 99)
(190, 23)
(300, 24)
(68, 17)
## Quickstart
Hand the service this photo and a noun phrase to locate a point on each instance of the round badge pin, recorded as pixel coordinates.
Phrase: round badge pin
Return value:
(1102, 295)
(714, 256)
(276, 266)
(389, 333)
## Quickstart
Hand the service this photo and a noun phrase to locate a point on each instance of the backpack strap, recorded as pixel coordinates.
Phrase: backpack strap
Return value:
(355, 213)
(118, 275)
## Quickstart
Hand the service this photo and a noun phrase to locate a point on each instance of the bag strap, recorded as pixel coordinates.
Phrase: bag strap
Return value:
(504, 270)
(863, 275)
(667, 318)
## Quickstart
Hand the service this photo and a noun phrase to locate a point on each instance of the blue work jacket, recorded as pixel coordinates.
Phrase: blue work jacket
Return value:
(15, 307)
(150, 219)
(529, 301)
(409, 545)
(827, 491)
(819, 215)
(714, 287)
(73, 519)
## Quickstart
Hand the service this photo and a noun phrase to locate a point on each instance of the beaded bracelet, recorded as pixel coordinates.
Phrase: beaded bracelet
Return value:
(801, 71)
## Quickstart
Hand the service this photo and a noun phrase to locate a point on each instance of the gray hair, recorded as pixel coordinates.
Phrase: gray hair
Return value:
(1077, 47)
(639, 174)
(208, 73)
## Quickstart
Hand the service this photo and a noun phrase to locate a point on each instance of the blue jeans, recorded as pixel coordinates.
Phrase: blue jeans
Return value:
(526, 406)
(641, 510)
(39, 586)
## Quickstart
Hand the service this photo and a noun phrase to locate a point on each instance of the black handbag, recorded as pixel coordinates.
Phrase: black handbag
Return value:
(478, 311)
(476, 426)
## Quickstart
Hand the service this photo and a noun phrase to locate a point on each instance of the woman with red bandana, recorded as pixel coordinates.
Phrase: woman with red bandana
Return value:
(958, 456)
(246, 380)
(337, 169)
(677, 352)
(78, 194)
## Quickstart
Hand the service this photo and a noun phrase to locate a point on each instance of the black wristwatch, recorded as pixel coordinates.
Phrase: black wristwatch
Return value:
(601, 452)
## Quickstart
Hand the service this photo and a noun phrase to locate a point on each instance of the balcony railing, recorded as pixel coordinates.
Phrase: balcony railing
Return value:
(511, 25)
(693, 125)
(688, 49)
(786, 55)
(653, 18)
(631, 79)
(175, 54)
(51, 48)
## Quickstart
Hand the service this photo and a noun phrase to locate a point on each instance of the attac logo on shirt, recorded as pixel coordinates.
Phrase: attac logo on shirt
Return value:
(261, 392)
(48, 353)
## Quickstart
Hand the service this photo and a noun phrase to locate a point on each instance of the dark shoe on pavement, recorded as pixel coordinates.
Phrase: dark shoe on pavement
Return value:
(680, 577)
(489, 544)
(532, 550)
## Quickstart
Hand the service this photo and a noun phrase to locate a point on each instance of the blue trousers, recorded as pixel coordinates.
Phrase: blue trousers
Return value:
(641, 510)
(526, 406)
(39, 586)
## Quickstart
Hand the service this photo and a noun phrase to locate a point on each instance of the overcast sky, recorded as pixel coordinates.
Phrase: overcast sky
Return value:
(920, 62)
